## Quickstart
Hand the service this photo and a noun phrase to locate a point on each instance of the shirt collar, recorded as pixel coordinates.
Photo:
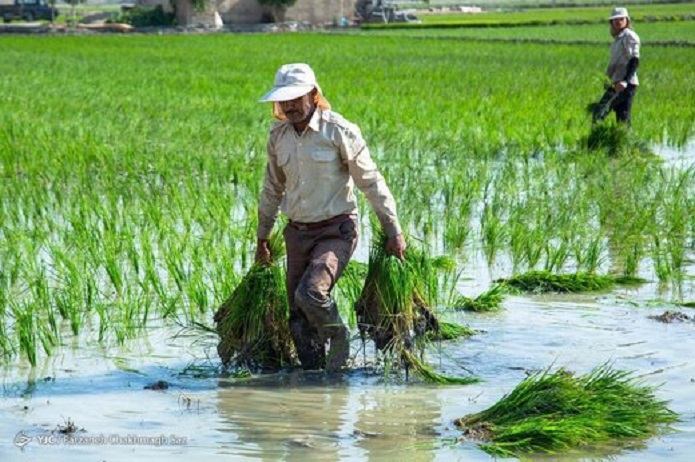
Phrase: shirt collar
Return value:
(315, 118)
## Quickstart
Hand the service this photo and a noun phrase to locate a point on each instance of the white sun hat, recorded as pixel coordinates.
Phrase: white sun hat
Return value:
(619, 13)
(291, 82)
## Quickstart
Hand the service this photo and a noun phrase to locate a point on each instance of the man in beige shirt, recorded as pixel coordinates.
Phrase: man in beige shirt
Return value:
(315, 157)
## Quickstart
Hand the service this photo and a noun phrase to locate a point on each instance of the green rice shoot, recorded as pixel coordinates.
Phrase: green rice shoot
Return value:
(451, 331)
(490, 300)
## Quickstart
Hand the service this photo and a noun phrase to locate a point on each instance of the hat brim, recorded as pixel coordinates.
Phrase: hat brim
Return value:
(279, 94)
(617, 16)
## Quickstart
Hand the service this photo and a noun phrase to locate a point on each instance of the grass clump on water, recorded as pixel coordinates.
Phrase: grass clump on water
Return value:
(253, 322)
(450, 331)
(553, 412)
(394, 308)
(545, 281)
(487, 301)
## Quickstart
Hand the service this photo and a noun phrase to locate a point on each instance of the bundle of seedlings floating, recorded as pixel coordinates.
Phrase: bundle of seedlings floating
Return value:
(450, 331)
(487, 301)
(545, 281)
(553, 412)
(395, 308)
(253, 322)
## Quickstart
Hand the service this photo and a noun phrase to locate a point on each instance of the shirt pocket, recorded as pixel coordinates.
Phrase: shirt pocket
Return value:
(325, 163)
(283, 158)
(324, 155)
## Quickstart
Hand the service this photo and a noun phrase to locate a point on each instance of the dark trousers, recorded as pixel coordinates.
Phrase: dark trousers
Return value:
(316, 259)
(621, 104)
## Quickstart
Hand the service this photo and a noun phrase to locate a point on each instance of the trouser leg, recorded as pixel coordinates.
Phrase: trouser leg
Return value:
(604, 106)
(333, 247)
(307, 341)
(623, 105)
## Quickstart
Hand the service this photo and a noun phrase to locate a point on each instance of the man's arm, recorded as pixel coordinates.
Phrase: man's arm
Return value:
(269, 203)
(369, 180)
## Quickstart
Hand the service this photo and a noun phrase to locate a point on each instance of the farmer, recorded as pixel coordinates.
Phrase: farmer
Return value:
(315, 157)
(622, 67)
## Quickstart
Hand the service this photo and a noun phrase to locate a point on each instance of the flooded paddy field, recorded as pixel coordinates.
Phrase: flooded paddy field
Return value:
(127, 200)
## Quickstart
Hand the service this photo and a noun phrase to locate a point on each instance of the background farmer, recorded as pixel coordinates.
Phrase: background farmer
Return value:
(315, 157)
(622, 67)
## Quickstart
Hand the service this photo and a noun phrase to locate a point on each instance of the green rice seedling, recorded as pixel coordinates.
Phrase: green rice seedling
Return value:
(552, 412)
(26, 330)
(556, 256)
(533, 247)
(428, 373)
(7, 349)
(493, 230)
(394, 309)
(660, 259)
(253, 323)
(348, 290)
(450, 331)
(633, 258)
(544, 281)
(490, 300)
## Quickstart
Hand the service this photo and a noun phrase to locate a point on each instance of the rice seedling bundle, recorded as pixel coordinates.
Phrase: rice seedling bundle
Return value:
(450, 331)
(561, 411)
(253, 323)
(545, 281)
(395, 308)
(487, 301)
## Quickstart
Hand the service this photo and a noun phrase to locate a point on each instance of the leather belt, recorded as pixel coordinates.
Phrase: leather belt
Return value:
(321, 224)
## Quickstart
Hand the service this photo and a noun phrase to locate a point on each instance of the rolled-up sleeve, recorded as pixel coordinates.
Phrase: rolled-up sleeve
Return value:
(368, 179)
(271, 194)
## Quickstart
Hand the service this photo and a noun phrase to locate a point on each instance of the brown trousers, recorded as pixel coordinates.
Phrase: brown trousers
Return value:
(316, 258)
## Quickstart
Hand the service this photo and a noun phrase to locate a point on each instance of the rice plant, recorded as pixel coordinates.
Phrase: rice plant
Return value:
(395, 308)
(553, 412)
(450, 331)
(253, 323)
(490, 300)
(544, 281)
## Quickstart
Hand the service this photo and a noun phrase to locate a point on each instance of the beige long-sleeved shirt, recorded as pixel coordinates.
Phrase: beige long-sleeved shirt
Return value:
(625, 46)
(310, 177)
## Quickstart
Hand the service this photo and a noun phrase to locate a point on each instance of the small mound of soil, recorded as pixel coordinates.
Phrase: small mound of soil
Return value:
(158, 385)
(480, 432)
(671, 316)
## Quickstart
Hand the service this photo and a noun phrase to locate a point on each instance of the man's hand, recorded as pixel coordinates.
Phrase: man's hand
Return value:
(263, 255)
(396, 246)
(620, 86)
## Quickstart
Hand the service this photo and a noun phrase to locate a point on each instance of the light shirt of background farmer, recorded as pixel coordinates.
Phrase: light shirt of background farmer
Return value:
(625, 46)
(310, 175)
